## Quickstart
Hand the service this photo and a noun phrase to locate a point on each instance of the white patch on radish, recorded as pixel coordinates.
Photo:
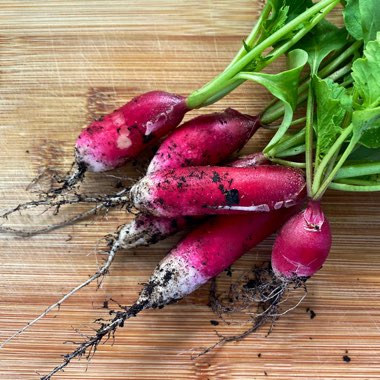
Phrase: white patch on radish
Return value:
(141, 195)
(278, 205)
(263, 208)
(130, 237)
(118, 119)
(123, 142)
(173, 279)
(290, 203)
(152, 126)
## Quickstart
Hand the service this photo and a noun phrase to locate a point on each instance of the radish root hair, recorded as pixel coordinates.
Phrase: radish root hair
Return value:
(260, 290)
(114, 245)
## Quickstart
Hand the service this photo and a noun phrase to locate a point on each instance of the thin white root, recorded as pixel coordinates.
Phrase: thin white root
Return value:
(52, 227)
(120, 198)
(101, 272)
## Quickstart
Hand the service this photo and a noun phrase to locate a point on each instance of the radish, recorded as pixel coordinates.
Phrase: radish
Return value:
(205, 140)
(204, 253)
(217, 190)
(148, 229)
(121, 135)
(303, 244)
(299, 251)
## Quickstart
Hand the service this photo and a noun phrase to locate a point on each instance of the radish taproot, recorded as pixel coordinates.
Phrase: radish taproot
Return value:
(204, 253)
(205, 140)
(217, 190)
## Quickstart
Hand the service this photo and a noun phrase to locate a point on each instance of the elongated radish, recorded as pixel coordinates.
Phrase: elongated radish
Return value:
(123, 134)
(303, 244)
(204, 253)
(205, 140)
(218, 190)
(147, 229)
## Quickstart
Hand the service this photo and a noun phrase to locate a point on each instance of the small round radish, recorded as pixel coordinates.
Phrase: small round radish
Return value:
(303, 244)
(205, 140)
(123, 134)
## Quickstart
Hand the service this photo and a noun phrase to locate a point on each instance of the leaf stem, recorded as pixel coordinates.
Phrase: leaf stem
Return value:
(292, 151)
(289, 142)
(309, 136)
(354, 188)
(318, 190)
(358, 170)
(300, 165)
(254, 36)
(317, 12)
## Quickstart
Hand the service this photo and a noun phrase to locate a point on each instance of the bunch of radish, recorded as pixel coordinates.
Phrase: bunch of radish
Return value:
(230, 203)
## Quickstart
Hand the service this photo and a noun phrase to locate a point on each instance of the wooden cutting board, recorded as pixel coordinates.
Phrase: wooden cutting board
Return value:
(62, 63)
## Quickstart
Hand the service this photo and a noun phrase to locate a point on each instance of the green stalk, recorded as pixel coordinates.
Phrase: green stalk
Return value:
(333, 65)
(200, 96)
(292, 151)
(358, 170)
(292, 164)
(353, 188)
(319, 190)
(296, 139)
(254, 36)
(309, 136)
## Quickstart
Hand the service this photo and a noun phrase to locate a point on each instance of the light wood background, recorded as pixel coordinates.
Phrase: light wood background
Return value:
(63, 63)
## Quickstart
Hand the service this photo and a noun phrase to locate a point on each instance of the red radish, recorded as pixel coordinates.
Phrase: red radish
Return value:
(205, 140)
(204, 253)
(148, 229)
(218, 190)
(123, 134)
(303, 244)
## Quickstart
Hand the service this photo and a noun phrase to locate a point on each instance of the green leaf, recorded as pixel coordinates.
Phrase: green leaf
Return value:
(284, 86)
(366, 125)
(284, 11)
(366, 74)
(296, 7)
(362, 19)
(352, 19)
(333, 101)
(323, 39)
(363, 154)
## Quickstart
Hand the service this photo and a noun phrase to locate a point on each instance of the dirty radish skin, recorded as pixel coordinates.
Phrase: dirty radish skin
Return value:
(205, 140)
(148, 229)
(204, 253)
(218, 190)
(302, 245)
(123, 134)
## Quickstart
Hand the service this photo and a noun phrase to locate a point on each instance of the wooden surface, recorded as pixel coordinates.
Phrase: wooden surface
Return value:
(63, 63)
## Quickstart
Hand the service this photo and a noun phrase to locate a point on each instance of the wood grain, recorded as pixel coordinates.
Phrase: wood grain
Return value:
(64, 63)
